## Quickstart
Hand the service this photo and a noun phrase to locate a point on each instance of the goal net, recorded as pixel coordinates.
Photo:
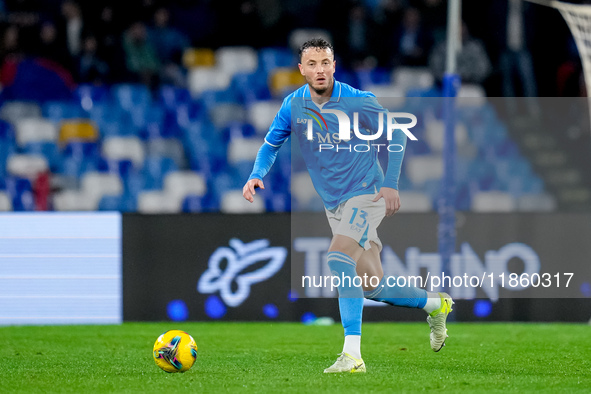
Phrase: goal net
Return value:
(578, 19)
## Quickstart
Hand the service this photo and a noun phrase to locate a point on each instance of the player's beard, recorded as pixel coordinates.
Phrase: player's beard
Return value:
(322, 90)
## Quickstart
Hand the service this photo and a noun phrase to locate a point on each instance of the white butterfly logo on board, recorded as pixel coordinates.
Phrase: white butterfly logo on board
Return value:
(239, 256)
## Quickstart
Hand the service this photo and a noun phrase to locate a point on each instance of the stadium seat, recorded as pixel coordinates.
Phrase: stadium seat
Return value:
(124, 148)
(493, 201)
(539, 202)
(223, 114)
(282, 80)
(142, 116)
(261, 114)
(78, 131)
(207, 78)
(303, 193)
(57, 111)
(415, 202)
(73, 200)
(129, 96)
(167, 147)
(407, 78)
(179, 184)
(390, 96)
(26, 165)
(155, 169)
(371, 77)
(232, 60)
(13, 111)
(120, 203)
(95, 185)
(171, 96)
(471, 95)
(5, 202)
(89, 95)
(150, 202)
(20, 191)
(79, 157)
(47, 149)
(35, 130)
(423, 168)
(270, 58)
(198, 57)
(250, 87)
(435, 132)
(7, 145)
(243, 149)
(233, 202)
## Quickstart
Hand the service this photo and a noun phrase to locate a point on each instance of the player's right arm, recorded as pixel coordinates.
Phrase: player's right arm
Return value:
(278, 133)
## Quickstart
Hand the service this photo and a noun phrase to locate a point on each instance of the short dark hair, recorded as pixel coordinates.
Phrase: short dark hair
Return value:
(319, 43)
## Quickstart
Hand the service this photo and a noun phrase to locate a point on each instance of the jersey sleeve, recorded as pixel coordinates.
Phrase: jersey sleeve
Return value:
(281, 127)
(395, 157)
(278, 133)
(372, 111)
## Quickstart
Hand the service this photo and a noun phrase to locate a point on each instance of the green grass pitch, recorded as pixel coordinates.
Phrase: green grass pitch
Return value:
(287, 357)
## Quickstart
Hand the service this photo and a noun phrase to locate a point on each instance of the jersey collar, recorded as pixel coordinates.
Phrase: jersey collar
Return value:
(336, 92)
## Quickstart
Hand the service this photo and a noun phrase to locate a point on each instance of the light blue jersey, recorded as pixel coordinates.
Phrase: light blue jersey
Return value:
(339, 169)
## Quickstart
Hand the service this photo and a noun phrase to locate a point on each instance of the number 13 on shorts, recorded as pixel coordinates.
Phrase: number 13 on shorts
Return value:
(359, 219)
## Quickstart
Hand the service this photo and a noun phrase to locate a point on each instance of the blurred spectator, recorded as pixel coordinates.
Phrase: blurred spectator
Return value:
(358, 36)
(91, 68)
(434, 14)
(169, 44)
(472, 64)
(387, 15)
(107, 31)
(516, 62)
(411, 41)
(50, 47)
(10, 42)
(73, 25)
(140, 56)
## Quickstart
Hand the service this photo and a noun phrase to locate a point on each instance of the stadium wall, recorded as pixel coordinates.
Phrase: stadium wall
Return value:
(250, 267)
(105, 268)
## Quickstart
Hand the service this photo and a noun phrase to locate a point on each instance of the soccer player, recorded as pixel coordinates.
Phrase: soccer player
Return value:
(356, 193)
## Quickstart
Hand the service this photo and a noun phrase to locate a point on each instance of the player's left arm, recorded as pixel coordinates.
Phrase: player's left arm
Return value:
(389, 189)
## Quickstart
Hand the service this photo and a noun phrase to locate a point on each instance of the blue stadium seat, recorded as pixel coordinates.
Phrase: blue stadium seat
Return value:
(206, 203)
(373, 76)
(122, 203)
(270, 58)
(419, 147)
(7, 145)
(129, 96)
(277, 202)
(111, 120)
(251, 87)
(59, 110)
(155, 168)
(143, 116)
(186, 114)
(237, 129)
(79, 157)
(21, 192)
(90, 95)
(47, 149)
(171, 97)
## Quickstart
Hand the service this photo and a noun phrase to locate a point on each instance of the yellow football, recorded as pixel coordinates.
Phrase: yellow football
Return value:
(175, 351)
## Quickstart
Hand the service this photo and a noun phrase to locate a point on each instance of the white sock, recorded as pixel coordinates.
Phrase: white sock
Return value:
(433, 302)
(352, 346)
